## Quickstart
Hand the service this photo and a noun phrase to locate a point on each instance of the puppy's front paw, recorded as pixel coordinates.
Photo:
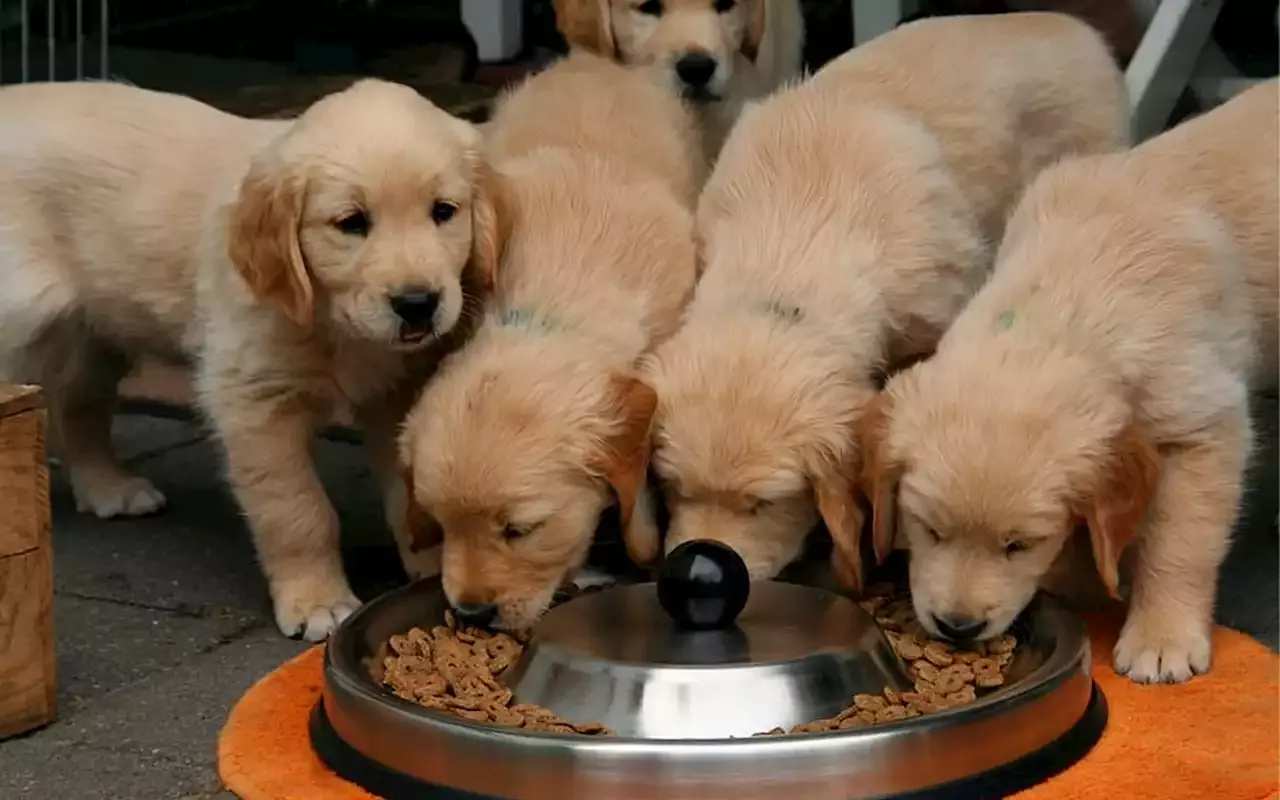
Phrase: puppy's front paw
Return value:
(588, 578)
(1156, 649)
(117, 496)
(311, 610)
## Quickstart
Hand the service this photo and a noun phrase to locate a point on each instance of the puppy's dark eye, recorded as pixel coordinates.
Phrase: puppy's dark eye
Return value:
(354, 224)
(725, 6)
(1016, 546)
(651, 7)
(442, 211)
(932, 534)
(755, 505)
(511, 533)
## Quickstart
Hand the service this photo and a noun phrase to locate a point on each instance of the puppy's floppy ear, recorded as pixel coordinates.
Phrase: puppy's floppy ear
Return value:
(490, 225)
(625, 461)
(587, 24)
(835, 489)
(263, 239)
(1119, 501)
(754, 20)
(879, 475)
(423, 530)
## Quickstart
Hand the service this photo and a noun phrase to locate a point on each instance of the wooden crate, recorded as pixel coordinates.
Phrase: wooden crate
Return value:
(27, 680)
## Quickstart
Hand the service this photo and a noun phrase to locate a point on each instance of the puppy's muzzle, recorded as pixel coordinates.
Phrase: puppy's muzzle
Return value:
(476, 615)
(695, 70)
(959, 629)
(416, 307)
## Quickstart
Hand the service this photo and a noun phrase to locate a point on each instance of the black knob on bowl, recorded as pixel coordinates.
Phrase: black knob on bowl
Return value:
(703, 585)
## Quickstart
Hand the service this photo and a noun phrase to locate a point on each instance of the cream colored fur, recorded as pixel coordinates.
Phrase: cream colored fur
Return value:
(138, 224)
(531, 430)
(757, 45)
(1099, 381)
(846, 223)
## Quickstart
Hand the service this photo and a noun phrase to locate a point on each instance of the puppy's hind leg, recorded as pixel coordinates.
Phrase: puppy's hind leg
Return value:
(44, 339)
(82, 400)
(1166, 637)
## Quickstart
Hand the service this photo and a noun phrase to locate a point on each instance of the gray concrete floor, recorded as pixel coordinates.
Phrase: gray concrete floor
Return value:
(164, 622)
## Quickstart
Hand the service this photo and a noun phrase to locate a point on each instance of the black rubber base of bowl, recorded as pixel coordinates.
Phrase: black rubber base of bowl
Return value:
(1031, 769)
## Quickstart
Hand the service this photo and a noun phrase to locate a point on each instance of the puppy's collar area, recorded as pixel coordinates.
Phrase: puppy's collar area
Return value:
(529, 320)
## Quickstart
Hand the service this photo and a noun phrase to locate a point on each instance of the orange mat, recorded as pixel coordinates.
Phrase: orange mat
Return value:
(1214, 738)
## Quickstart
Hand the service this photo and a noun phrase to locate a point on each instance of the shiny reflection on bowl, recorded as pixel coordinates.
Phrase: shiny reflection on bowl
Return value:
(797, 654)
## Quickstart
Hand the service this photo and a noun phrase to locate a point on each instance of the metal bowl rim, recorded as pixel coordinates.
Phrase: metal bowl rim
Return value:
(1059, 661)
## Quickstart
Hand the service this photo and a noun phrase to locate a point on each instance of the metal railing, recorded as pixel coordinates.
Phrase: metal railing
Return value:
(46, 40)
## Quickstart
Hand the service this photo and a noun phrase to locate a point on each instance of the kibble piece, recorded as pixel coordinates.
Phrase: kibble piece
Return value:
(869, 702)
(1002, 644)
(924, 671)
(989, 681)
(891, 713)
(948, 683)
(938, 654)
(965, 694)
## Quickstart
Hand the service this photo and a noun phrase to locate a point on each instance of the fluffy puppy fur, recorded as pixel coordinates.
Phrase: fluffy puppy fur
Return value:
(845, 225)
(1099, 381)
(530, 431)
(717, 53)
(271, 254)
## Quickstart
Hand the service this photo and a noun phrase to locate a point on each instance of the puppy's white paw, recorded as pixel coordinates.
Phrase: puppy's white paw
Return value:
(312, 610)
(1161, 650)
(117, 496)
(588, 578)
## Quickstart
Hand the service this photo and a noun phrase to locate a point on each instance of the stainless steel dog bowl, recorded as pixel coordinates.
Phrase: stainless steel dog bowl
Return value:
(617, 658)
(685, 702)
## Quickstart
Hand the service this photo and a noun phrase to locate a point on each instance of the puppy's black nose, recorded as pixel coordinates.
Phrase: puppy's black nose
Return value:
(476, 615)
(416, 305)
(958, 629)
(695, 69)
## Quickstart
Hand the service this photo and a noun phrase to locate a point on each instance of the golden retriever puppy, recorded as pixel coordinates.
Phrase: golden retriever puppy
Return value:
(310, 269)
(1099, 380)
(717, 53)
(538, 425)
(846, 223)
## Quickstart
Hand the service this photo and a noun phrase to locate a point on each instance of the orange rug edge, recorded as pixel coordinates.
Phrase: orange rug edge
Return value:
(1220, 732)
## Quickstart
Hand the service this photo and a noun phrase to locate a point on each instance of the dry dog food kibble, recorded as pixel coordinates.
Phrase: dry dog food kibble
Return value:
(944, 676)
(455, 669)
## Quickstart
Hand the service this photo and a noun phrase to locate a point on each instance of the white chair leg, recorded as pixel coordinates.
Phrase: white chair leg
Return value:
(496, 25)
(1166, 58)
(874, 17)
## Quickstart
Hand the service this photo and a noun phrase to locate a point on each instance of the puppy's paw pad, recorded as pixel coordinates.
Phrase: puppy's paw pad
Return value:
(301, 617)
(1154, 654)
(128, 497)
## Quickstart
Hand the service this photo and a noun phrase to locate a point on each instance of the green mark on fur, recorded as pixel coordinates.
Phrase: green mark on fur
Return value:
(526, 319)
(1006, 320)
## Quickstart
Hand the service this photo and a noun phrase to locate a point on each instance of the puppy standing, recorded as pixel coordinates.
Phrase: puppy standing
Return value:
(847, 222)
(529, 432)
(717, 53)
(309, 268)
(1099, 379)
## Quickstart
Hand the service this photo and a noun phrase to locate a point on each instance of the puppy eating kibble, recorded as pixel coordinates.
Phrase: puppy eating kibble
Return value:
(534, 428)
(718, 54)
(311, 269)
(1100, 380)
(845, 225)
